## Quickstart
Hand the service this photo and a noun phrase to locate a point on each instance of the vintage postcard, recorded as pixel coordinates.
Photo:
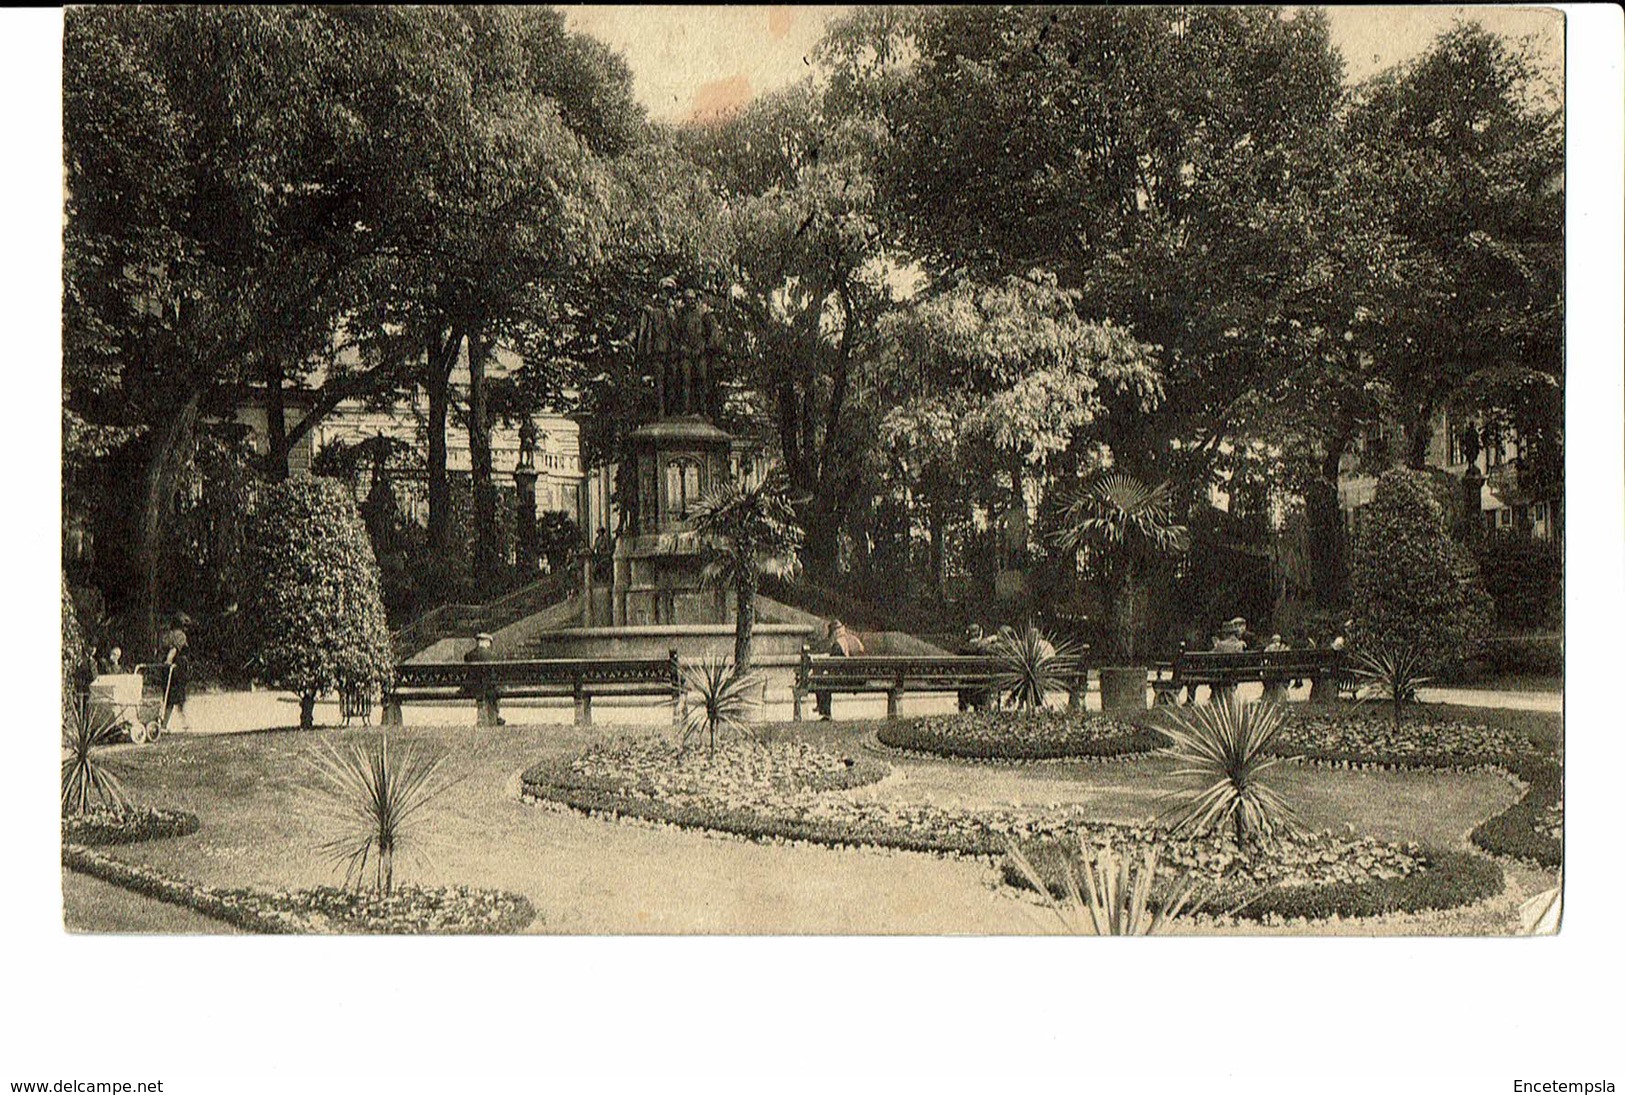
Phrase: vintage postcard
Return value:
(796, 471)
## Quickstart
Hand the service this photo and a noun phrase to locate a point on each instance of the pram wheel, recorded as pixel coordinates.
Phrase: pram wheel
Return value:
(154, 728)
(138, 733)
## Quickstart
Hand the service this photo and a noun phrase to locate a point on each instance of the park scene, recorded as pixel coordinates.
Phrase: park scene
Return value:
(1002, 471)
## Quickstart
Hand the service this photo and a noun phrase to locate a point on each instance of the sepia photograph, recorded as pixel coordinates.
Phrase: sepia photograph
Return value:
(866, 471)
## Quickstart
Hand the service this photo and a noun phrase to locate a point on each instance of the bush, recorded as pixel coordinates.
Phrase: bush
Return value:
(1524, 577)
(558, 538)
(1412, 585)
(315, 604)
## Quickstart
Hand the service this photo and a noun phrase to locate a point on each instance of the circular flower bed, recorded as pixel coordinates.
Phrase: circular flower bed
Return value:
(1019, 735)
(106, 825)
(443, 910)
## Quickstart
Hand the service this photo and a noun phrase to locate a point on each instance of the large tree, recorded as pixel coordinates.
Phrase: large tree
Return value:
(808, 282)
(1459, 156)
(212, 227)
(1154, 159)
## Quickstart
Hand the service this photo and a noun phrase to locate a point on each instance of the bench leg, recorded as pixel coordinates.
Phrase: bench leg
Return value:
(488, 712)
(392, 713)
(583, 710)
(797, 698)
(1323, 690)
(1074, 699)
(679, 708)
(894, 700)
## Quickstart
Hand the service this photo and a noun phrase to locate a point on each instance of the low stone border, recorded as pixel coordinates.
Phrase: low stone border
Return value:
(324, 910)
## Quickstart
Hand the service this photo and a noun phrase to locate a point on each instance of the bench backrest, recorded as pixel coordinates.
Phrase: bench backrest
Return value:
(908, 670)
(539, 671)
(1256, 664)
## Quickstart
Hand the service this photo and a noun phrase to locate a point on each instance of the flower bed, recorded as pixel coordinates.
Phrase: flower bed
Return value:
(445, 910)
(1370, 737)
(728, 793)
(114, 826)
(1015, 736)
(1311, 878)
(1522, 832)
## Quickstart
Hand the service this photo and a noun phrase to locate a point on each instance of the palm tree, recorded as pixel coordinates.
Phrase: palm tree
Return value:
(1128, 524)
(748, 533)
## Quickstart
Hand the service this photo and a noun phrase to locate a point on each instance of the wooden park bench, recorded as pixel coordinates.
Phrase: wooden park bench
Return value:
(1275, 669)
(488, 683)
(896, 674)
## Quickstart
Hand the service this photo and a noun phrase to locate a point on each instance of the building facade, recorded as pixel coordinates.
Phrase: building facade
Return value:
(1457, 443)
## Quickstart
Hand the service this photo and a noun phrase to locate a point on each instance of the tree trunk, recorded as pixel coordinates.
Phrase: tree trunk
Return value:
(276, 421)
(487, 552)
(163, 463)
(1328, 543)
(744, 624)
(437, 385)
(307, 710)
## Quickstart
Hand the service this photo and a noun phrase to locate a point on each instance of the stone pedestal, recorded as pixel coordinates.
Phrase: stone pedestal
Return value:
(658, 560)
(1122, 689)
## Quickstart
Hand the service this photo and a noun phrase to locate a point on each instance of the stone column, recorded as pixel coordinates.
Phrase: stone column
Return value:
(526, 552)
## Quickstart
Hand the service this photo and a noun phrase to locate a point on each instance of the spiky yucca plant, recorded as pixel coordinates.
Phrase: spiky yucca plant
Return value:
(1112, 896)
(725, 700)
(1392, 673)
(86, 778)
(1224, 749)
(1028, 666)
(374, 794)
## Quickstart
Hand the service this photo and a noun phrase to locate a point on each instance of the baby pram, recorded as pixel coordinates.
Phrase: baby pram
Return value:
(136, 703)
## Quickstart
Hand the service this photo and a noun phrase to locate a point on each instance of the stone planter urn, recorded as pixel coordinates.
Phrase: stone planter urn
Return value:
(1122, 689)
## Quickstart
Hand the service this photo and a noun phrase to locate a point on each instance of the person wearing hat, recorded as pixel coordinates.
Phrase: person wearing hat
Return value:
(486, 694)
(1229, 640)
(842, 644)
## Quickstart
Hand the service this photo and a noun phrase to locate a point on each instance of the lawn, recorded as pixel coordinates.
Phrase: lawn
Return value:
(91, 905)
(587, 875)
